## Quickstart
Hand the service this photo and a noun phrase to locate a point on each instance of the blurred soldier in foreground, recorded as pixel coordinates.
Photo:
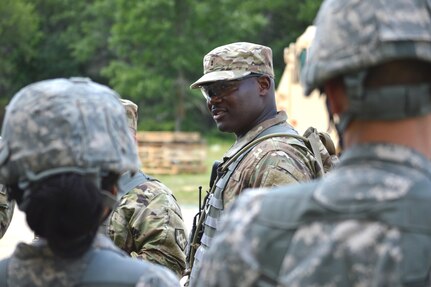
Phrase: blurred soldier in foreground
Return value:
(148, 223)
(367, 223)
(6, 211)
(65, 142)
(238, 85)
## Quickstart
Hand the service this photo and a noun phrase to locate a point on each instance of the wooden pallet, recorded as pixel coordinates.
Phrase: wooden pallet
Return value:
(171, 152)
(168, 137)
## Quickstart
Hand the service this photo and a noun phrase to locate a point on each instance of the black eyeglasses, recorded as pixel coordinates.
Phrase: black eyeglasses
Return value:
(222, 88)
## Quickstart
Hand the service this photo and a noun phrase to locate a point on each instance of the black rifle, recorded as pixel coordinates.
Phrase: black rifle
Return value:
(198, 220)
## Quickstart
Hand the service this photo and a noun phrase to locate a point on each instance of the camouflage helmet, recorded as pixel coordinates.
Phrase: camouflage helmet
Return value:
(131, 114)
(353, 36)
(65, 125)
(234, 61)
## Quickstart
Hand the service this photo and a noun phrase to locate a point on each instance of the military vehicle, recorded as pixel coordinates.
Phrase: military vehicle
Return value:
(302, 111)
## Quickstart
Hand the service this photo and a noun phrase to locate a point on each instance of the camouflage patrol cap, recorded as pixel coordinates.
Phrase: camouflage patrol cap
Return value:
(131, 113)
(234, 61)
(65, 125)
(354, 35)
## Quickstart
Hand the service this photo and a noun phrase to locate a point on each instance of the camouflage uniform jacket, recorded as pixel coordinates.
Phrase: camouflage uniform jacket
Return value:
(272, 162)
(6, 211)
(148, 224)
(103, 265)
(366, 223)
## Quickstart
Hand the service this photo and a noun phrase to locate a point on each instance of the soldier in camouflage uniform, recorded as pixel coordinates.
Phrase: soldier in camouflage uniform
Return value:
(367, 223)
(65, 142)
(6, 211)
(238, 84)
(147, 223)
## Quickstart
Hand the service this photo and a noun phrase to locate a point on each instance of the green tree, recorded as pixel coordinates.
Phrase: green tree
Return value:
(74, 39)
(18, 39)
(286, 21)
(92, 33)
(150, 51)
(159, 47)
(43, 39)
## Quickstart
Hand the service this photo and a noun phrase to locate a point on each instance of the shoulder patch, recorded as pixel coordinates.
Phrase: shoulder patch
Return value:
(180, 238)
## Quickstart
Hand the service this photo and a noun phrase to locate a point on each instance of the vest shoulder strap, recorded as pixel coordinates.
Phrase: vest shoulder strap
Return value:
(127, 182)
(274, 131)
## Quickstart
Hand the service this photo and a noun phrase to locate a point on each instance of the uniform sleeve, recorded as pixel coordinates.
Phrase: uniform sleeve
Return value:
(280, 162)
(278, 168)
(155, 231)
(6, 211)
(119, 226)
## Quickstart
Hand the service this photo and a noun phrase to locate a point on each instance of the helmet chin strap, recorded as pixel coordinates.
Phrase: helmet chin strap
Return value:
(25, 201)
(92, 174)
(332, 123)
(394, 102)
(354, 85)
(109, 200)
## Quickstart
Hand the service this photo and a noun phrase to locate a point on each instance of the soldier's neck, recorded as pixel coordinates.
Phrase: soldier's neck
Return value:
(414, 133)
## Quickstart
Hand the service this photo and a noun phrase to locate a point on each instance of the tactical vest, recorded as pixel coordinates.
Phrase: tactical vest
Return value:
(410, 214)
(215, 205)
(102, 266)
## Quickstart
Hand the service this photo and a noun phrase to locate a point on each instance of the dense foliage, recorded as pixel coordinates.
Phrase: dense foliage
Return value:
(150, 51)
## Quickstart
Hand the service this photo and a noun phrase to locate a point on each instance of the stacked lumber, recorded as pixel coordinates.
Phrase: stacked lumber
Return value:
(171, 152)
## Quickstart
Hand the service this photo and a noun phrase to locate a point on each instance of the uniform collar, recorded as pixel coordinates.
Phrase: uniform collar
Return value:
(280, 118)
(386, 152)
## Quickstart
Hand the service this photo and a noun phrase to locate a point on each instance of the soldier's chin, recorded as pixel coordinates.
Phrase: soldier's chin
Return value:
(226, 130)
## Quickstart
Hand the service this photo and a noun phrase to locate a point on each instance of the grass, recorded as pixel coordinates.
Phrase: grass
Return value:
(185, 186)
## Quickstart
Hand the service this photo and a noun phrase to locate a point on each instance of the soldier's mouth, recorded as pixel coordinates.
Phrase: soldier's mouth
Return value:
(218, 113)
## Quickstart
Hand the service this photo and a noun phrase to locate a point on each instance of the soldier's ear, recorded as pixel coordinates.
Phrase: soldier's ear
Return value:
(114, 190)
(264, 83)
(336, 93)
